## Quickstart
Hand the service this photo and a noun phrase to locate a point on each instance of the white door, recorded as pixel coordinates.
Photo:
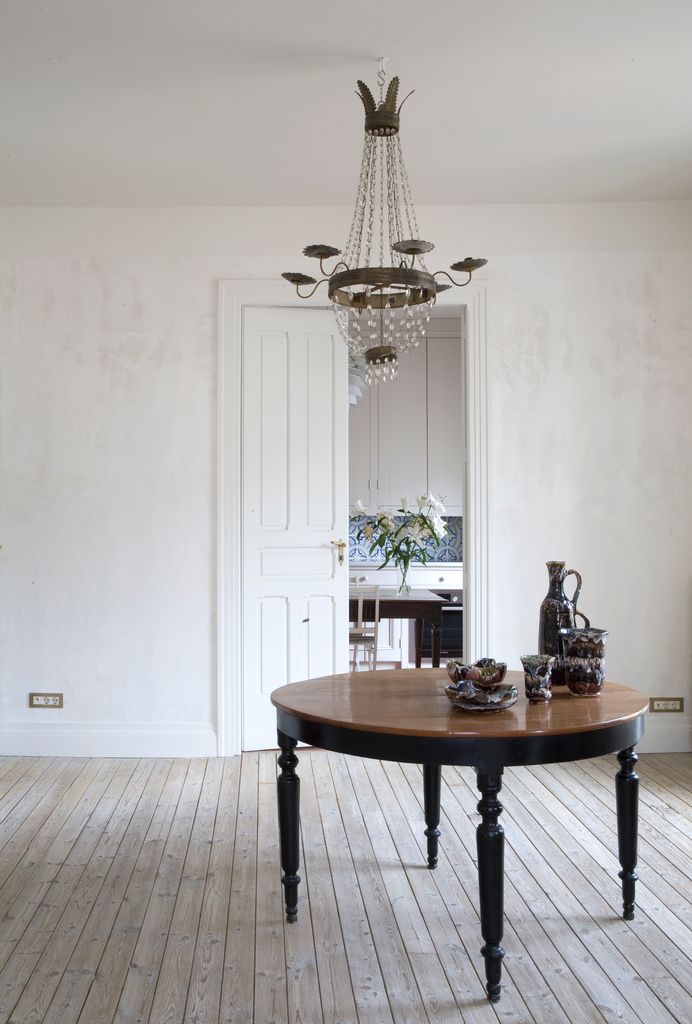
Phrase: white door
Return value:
(295, 505)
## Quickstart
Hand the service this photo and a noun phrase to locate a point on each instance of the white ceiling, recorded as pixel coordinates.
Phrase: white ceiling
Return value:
(211, 102)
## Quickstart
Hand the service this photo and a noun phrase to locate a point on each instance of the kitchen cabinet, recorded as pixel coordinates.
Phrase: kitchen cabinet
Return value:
(407, 437)
(361, 472)
(401, 433)
(446, 421)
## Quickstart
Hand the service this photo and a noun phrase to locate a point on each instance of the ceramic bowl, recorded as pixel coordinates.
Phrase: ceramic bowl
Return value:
(486, 674)
(467, 697)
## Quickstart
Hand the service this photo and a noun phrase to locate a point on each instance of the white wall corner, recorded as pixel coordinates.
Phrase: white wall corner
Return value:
(107, 739)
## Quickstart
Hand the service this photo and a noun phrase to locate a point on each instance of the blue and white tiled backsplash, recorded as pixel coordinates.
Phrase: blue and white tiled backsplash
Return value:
(450, 550)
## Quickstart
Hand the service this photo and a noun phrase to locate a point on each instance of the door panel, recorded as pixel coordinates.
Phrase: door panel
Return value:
(295, 504)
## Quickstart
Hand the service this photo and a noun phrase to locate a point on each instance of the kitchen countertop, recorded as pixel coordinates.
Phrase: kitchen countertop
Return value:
(374, 566)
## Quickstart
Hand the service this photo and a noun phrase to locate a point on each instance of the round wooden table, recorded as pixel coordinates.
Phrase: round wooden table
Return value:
(406, 716)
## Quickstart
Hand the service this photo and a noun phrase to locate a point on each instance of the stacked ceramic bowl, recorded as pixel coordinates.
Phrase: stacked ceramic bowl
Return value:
(480, 687)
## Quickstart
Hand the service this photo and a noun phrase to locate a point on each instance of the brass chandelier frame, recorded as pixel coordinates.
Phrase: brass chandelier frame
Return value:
(382, 267)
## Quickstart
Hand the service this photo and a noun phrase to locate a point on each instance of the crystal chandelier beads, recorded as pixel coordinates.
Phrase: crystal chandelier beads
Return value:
(380, 287)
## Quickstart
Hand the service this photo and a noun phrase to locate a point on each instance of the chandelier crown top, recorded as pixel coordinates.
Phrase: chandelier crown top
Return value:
(381, 118)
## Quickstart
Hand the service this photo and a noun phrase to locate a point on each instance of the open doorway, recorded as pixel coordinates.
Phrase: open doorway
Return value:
(407, 438)
(238, 658)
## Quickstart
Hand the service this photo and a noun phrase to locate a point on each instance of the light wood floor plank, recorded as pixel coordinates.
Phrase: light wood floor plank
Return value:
(142, 970)
(454, 998)
(174, 976)
(666, 904)
(676, 766)
(653, 813)
(37, 821)
(6, 765)
(204, 994)
(436, 993)
(271, 993)
(563, 919)
(655, 923)
(404, 995)
(116, 861)
(674, 791)
(622, 951)
(63, 902)
(302, 979)
(335, 986)
(238, 987)
(148, 892)
(20, 792)
(104, 993)
(665, 892)
(28, 808)
(38, 906)
(458, 884)
(364, 964)
(23, 854)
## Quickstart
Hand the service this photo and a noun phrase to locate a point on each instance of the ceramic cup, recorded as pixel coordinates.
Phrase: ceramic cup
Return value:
(538, 670)
(584, 658)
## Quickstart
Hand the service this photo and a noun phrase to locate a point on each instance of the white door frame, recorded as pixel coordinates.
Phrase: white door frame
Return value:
(233, 296)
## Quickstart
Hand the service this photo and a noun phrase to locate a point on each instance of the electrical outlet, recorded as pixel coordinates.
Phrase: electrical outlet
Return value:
(666, 704)
(45, 700)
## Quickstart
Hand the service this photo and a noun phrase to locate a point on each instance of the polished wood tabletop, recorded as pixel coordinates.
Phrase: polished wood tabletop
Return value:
(412, 702)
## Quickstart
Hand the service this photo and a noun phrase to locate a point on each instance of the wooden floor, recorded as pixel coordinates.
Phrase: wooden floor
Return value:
(149, 891)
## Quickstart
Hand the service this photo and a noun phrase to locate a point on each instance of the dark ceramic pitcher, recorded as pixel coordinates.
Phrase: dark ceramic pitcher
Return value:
(558, 612)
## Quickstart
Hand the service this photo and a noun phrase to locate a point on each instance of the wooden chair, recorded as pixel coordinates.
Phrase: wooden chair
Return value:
(365, 634)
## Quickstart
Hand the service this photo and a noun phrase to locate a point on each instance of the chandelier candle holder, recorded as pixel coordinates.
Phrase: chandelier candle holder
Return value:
(380, 287)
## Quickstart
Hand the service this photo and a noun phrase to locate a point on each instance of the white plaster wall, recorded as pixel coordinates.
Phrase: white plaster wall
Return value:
(108, 455)
(591, 460)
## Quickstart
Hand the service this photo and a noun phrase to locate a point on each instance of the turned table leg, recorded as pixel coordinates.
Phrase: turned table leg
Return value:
(490, 843)
(288, 799)
(627, 802)
(432, 775)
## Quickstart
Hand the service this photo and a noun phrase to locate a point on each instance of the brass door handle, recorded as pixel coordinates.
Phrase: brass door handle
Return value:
(341, 547)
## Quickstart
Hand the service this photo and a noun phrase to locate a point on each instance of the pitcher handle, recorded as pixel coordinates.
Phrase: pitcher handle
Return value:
(577, 590)
(582, 616)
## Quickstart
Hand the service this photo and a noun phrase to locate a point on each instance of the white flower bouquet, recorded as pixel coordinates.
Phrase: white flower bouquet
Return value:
(404, 536)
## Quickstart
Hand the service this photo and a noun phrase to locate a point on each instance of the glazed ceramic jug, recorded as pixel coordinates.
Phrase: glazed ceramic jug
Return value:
(558, 612)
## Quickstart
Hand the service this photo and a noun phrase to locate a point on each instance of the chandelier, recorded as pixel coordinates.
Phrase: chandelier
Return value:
(380, 287)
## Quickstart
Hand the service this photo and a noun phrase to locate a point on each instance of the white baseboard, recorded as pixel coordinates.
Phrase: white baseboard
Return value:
(198, 739)
(108, 739)
(666, 733)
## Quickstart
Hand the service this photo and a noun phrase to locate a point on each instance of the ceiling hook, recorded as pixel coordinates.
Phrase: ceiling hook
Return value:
(382, 72)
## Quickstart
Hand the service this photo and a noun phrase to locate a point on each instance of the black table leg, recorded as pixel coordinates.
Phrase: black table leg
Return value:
(432, 774)
(490, 843)
(419, 642)
(436, 644)
(627, 802)
(288, 798)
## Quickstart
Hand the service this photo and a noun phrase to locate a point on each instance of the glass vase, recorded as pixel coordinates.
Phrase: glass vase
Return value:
(402, 583)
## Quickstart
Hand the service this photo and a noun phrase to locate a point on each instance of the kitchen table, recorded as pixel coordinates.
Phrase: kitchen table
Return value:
(421, 605)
